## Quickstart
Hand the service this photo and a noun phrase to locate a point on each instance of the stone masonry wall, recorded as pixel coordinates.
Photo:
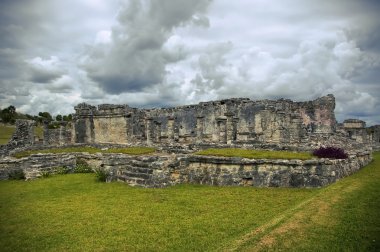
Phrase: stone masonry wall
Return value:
(234, 120)
(164, 170)
(22, 137)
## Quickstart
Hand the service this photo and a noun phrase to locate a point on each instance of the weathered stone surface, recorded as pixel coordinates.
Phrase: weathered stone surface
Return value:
(22, 137)
(164, 170)
(225, 121)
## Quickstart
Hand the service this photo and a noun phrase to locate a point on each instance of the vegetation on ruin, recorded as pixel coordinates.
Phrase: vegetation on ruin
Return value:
(75, 213)
(255, 154)
(330, 152)
(91, 150)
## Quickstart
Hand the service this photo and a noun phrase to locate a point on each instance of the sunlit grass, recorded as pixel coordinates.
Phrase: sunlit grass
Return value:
(73, 212)
(258, 154)
(344, 216)
(91, 150)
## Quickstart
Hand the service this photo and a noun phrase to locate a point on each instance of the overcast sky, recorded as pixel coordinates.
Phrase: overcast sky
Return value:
(55, 54)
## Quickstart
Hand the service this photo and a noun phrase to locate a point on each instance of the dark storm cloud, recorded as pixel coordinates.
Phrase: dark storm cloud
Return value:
(38, 76)
(136, 59)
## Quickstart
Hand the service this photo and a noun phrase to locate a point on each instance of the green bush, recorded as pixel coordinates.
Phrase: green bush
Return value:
(62, 170)
(82, 167)
(17, 174)
(45, 174)
(101, 175)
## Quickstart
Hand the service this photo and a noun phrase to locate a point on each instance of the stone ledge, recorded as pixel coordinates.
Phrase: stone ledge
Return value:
(164, 170)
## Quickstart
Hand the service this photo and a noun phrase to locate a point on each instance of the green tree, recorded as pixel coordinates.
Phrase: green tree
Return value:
(68, 118)
(45, 116)
(58, 118)
(8, 115)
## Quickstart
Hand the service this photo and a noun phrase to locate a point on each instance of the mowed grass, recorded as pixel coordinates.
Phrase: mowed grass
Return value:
(75, 213)
(91, 150)
(344, 216)
(6, 133)
(258, 154)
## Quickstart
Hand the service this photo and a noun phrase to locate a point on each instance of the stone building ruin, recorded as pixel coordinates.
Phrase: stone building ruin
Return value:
(231, 121)
(177, 132)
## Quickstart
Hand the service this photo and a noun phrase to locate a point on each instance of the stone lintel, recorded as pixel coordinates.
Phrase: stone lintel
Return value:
(221, 119)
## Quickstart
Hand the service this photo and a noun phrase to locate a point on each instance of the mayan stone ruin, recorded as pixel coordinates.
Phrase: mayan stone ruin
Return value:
(238, 121)
(178, 132)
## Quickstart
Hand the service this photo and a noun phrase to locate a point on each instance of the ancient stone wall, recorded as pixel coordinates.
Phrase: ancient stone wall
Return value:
(22, 137)
(164, 170)
(59, 136)
(270, 173)
(373, 133)
(225, 121)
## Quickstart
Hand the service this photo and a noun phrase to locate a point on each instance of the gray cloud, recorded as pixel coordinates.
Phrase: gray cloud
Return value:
(158, 53)
(135, 59)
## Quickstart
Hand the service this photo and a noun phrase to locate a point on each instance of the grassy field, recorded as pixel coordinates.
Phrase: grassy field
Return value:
(75, 213)
(127, 150)
(232, 152)
(7, 131)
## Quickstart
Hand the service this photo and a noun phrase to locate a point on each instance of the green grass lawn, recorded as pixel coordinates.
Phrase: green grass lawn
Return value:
(127, 150)
(233, 152)
(6, 133)
(75, 213)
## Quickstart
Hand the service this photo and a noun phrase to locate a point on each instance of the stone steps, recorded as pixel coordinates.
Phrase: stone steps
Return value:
(140, 175)
(132, 181)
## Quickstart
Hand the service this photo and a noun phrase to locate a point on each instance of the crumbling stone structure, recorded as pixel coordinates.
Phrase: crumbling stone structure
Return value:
(165, 170)
(238, 121)
(356, 130)
(60, 136)
(22, 137)
(373, 133)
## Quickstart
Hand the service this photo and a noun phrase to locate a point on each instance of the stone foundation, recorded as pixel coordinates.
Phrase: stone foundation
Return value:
(162, 170)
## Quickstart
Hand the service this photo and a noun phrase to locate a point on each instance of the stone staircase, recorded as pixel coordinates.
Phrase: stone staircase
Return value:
(134, 171)
(134, 175)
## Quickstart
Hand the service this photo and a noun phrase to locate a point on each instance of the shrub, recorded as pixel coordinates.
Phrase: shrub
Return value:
(17, 174)
(330, 152)
(62, 170)
(45, 174)
(101, 175)
(82, 167)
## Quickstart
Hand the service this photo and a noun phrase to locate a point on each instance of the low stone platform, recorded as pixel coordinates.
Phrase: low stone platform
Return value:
(162, 169)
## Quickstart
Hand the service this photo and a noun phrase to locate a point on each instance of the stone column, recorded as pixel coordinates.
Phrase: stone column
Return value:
(128, 127)
(235, 121)
(229, 127)
(170, 129)
(46, 133)
(200, 121)
(31, 125)
(62, 133)
(222, 130)
(157, 131)
(148, 130)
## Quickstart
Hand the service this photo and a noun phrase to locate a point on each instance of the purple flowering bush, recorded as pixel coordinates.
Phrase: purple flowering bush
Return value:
(330, 152)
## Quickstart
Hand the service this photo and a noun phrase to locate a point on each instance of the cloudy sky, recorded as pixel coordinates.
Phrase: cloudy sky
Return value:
(55, 54)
